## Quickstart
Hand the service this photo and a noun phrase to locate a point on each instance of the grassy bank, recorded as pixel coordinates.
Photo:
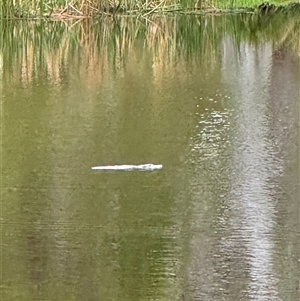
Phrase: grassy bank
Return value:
(62, 9)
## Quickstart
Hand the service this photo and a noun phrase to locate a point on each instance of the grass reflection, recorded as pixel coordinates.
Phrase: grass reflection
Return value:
(50, 46)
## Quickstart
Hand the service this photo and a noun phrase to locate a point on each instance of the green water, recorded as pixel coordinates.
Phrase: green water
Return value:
(215, 100)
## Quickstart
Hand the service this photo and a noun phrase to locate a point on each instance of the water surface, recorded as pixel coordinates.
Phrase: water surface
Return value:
(215, 100)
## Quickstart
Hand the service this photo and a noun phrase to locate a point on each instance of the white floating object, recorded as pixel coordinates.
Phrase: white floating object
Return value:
(142, 167)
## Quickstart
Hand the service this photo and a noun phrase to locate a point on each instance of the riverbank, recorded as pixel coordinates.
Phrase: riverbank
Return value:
(60, 10)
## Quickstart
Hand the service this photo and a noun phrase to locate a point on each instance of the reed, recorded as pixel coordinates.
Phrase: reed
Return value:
(85, 8)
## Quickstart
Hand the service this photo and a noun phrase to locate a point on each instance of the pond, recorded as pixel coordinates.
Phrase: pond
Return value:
(213, 101)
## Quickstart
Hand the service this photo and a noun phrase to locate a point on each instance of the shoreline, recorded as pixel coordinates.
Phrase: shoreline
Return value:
(71, 13)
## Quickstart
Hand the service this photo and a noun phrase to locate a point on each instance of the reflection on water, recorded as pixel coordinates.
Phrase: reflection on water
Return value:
(256, 168)
(260, 163)
(219, 221)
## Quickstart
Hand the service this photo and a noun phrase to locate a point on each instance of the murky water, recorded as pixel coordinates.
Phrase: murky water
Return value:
(215, 104)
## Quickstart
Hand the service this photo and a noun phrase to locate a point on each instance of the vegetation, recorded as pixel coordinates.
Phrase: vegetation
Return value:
(34, 43)
(62, 9)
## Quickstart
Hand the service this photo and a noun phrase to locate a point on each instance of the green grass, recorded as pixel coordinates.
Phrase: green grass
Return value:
(225, 4)
(84, 8)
